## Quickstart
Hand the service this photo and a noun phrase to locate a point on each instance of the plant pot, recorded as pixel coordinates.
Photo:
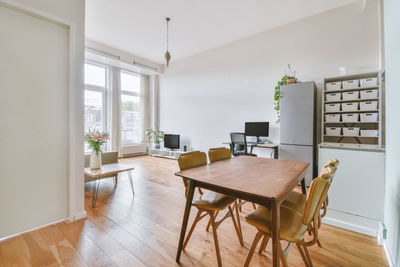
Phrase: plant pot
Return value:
(95, 160)
(291, 80)
(157, 146)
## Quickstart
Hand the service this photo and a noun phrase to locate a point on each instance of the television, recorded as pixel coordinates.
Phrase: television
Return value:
(171, 141)
(257, 129)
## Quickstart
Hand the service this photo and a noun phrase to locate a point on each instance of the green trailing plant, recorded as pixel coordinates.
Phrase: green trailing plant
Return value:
(154, 135)
(277, 97)
(286, 79)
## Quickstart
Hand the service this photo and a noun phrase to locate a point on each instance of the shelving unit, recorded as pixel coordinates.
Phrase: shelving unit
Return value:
(370, 140)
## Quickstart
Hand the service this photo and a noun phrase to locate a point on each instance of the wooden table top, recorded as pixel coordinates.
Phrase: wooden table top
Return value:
(107, 169)
(259, 177)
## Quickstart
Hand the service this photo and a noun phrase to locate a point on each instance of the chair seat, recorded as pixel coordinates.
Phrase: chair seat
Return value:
(291, 225)
(213, 201)
(296, 201)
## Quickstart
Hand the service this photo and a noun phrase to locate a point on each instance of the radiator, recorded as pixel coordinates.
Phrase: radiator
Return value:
(133, 150)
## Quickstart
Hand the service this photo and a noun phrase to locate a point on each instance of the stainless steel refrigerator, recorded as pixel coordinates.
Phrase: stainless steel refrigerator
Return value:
(298, 125)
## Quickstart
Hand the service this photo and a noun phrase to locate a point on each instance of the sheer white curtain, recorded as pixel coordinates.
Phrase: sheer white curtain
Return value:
(115, 109)
(144, 106)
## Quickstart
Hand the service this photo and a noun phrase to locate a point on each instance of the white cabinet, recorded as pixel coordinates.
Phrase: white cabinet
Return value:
(356, 195)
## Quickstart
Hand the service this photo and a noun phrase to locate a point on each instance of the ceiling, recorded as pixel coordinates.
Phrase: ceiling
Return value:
(138, 26)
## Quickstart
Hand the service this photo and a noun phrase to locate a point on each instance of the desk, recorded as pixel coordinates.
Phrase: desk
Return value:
(105, 171)
(275, 147)
(263, 181)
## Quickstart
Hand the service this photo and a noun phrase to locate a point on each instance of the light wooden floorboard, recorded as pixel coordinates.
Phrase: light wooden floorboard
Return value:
(144, 231)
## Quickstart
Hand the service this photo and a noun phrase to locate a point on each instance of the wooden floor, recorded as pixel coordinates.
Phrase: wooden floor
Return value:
(144, 231)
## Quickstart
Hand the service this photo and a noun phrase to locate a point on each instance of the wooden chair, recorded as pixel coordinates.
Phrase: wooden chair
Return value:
(296, 200)
(293, 225)
(208, 203)
(217, 154)
(222, 153)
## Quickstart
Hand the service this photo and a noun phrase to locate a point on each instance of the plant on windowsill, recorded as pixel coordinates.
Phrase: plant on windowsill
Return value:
(96, 140)
(156, 136)
(286, 79)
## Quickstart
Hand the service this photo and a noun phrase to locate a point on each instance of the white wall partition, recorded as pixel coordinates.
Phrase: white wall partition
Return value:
(41, 113)
(392, 189)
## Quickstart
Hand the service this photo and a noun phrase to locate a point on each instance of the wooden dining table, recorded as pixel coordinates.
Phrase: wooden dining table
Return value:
(266, 182)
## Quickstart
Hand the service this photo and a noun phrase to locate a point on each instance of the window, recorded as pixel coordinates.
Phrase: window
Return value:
(95, 97)
(130, 108)
(93, 111)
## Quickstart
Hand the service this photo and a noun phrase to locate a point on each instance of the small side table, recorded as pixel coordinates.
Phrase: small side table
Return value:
(104, 171)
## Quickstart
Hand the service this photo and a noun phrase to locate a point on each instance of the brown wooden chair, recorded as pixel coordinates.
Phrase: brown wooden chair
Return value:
(218, 154)
(296, 200)
(209, 202)
(293, 225)
(221, 153)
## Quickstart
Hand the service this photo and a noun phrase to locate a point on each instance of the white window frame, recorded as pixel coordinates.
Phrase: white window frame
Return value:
(105, 94)
(137, 94)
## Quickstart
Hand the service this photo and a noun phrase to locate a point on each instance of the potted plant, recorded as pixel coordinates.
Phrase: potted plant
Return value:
(286, 79)
(156, 136)
(96, 140)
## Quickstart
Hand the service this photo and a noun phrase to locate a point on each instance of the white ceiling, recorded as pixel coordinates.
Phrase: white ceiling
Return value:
(138, 26)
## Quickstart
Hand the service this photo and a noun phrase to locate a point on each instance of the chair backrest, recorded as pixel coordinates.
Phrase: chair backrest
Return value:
(220, 153)
(331, 168)
(315, 198)
(333, 163)
(192, 160)
(239, 142)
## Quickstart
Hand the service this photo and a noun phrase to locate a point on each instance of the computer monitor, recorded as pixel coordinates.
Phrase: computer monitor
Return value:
(257, 129)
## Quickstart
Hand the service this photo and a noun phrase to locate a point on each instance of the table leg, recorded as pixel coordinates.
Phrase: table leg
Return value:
(131, 182)
(276, 153)
(95, 192)
(185, 220)
(303, 186)
(275, 205)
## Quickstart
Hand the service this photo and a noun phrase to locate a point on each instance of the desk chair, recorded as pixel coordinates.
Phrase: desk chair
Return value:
(293, 225)
(209, 202)
(239, 145)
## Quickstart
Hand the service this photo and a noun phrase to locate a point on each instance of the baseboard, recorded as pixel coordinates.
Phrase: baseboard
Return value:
(30, 230)
(388, 254)
(72, 218)
(77, 216)
(349, 226)
(134, 154)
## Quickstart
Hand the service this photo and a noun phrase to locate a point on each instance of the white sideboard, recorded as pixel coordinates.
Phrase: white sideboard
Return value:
(356, 196)
(165, 153)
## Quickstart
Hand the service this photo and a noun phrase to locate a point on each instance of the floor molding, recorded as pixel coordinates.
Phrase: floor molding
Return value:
(72, 218)
(350, 226)
(30, 230)
(76, 217)
(388, 254)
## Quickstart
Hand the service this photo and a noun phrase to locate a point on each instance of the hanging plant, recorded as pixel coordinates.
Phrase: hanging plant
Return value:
(286, 79)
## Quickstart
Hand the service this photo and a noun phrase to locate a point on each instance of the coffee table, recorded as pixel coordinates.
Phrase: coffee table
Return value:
(105, 171)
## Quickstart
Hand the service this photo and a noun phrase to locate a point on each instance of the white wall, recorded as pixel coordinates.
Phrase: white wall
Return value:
(206, 96)
(392, 68)
(32, 198)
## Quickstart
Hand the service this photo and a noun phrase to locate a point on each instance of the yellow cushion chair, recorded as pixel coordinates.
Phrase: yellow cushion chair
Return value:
(222, 153)
(293, 225)
(296, 200)
(207, 203)
(218, 154)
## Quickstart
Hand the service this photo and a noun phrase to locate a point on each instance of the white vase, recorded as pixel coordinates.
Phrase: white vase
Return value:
(95, 160)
